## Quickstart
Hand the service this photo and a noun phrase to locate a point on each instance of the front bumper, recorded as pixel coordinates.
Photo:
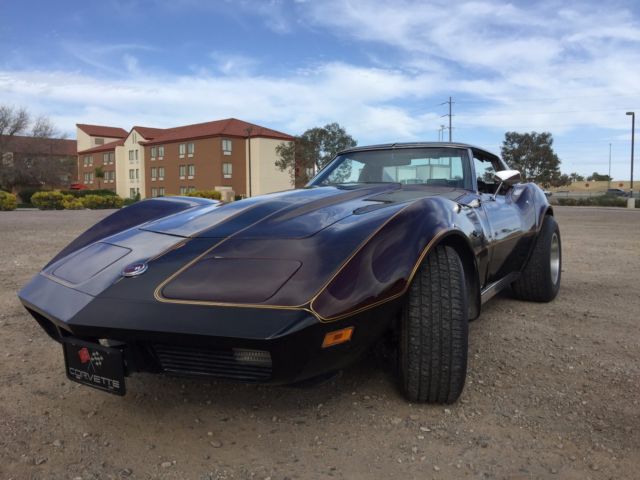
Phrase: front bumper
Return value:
(200, 340)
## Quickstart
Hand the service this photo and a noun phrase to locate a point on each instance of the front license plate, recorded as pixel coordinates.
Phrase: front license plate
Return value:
(94, 365)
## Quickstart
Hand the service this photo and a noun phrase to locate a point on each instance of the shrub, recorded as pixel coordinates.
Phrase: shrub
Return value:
(129, 201)
(95, 202)
(71, 203)
(26, 193)
(210, 194)
(83, 193)
(7, 201)
(48, 200)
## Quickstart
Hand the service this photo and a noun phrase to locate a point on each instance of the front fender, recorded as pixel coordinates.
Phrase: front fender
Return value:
(383, 268)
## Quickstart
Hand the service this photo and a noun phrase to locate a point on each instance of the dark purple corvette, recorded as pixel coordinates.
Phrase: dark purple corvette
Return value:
(401, 242)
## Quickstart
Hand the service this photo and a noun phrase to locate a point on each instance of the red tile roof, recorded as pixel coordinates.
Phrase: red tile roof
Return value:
(39, 146)
(103, 148)
(149, 133)
(102, 131)
(231, 127)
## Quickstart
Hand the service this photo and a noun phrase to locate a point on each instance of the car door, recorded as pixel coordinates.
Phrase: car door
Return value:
(504, 227)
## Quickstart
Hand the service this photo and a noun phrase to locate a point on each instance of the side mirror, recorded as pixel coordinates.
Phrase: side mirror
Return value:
(508, 177)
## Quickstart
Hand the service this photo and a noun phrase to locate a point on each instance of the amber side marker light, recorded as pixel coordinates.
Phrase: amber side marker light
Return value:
(337, 336)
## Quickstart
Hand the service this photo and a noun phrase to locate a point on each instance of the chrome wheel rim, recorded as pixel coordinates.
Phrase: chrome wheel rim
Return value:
(555, 258)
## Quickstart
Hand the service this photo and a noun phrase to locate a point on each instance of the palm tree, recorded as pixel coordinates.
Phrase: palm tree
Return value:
(99, 174)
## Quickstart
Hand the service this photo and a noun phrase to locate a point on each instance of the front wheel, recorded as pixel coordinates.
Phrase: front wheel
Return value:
(434, 330)
(540, 279)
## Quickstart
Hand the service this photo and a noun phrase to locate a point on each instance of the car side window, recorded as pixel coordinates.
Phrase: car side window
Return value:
(485, 171)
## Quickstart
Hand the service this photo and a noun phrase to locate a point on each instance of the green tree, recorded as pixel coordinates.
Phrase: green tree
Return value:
(532, 154)
(312, 150)
(596, 177)
(576, 177)
(561, 181)
(99, 174)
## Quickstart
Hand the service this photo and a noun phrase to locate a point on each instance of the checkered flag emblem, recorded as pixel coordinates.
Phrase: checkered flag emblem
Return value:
(96, 359)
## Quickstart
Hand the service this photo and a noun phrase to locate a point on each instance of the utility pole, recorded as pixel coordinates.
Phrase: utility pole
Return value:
(450, 115)
(441, 133)
(609, 166)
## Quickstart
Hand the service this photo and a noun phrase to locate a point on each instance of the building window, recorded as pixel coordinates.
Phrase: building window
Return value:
(132, 193)
(131, 155)
(137, 174)
(181, 149)
(226, 146)
(90, 177)
(191, 148)
(161, 174)
(112, 157)
(88, 161)
(183, 190)
(191, 189)
(135, 137)
(136, 154)
(131, 174)
(99, 141)
(154, 174)
(227, 170)
(191, 171)
(105, 158)
(86, 177)
(161, 192)
(182, 171)
(160, 152)
(154, 192)
(154, 150)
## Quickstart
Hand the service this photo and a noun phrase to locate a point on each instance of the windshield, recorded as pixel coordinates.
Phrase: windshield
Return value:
(429, 166)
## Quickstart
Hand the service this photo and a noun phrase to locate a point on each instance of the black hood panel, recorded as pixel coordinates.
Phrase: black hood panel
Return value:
(295, 213)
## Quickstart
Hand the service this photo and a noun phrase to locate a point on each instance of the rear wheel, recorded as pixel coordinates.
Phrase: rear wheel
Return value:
(434, 330)
(540, 279)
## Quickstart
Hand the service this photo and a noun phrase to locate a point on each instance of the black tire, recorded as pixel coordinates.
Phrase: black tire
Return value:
(540, 279)
(434, 331)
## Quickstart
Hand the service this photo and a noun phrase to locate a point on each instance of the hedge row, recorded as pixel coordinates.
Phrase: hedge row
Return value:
(210, 194)
(8, 201)
(600, 201)
(56, 200)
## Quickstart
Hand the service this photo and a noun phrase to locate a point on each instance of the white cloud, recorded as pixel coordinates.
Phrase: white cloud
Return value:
(357, 97)
(558, 66)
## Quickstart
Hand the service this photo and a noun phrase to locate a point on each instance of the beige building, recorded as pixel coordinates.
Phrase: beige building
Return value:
(227, 155)
(90, 136)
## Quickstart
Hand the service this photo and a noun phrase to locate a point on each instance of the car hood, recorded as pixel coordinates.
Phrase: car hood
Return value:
(292, 214)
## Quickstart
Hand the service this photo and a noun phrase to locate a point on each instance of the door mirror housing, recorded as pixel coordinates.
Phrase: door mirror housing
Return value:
(508, 177)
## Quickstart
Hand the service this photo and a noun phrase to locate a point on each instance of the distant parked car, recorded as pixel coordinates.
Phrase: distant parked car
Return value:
(616, 192)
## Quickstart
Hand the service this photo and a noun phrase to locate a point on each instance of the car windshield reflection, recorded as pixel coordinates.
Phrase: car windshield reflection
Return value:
(446, 167)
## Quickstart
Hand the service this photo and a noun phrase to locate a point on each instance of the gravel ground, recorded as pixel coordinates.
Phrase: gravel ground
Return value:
(553, 389)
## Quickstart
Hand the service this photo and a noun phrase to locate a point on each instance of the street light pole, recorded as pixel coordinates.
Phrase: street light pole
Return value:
(609, 166)
(633, 133)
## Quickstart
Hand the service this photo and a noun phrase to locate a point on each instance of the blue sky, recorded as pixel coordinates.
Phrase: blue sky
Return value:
(381, 69)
